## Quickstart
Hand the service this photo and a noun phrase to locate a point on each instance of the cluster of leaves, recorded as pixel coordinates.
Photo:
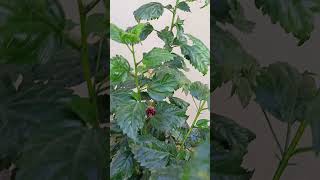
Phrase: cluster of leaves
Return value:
(150, 137)
(46, 130)
(279, 89)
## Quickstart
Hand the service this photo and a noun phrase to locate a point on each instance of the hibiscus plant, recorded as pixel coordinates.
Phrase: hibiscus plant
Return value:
(150, 137)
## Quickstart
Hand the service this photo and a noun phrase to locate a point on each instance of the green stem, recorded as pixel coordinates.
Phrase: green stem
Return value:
(135, 71)
(290, 151)
(174, 15)
(85, 58)
(194, 122)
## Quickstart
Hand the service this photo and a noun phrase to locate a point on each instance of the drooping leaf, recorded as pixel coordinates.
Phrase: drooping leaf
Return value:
(65, 150)
(122, 165)
(156, 57)
(130, 117)
(199, 90)
(296, 17)
(198, 54)
(184, 6)
(149, 11)
(230, 59)
(168, 117)
(277, 90)
(119, 69)
(162, 87)
(151, 153)
(229, 143)
(243, 90)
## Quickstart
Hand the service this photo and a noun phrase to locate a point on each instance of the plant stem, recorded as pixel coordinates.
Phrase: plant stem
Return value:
(290, 151)
(194, 122)
(85, 59)
(289, 125)
(272, 131)
(135, 70)
(174, 15)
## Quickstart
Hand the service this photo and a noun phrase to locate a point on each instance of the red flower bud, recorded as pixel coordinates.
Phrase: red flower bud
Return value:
(151, 111)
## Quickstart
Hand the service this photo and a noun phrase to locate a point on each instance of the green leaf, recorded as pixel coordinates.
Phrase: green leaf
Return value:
(202, 123)
(115, 33)
(162, 86)
(156, 57)
(136, 34)
(177, 63)
(167, 37)
(199, 166)
(181, 79)
(168, 117)
(84, 109)
(230, 59)
(96, 23)
(183, 6)
(199, 91)
(119, 69)
(30, 35)
(235, 136)
(179, 103)
(24, 110)
(65, 150)
(130, 117)
(149, 11)
(151, 153)
(198, 54)
(243, 90)
(230, 142)
(277, 90)
(122, 166)
(231, 11)
(312, 116)
(146, 31)
(296, 17)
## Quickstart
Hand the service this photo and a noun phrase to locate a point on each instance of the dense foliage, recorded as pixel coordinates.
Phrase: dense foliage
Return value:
(150, 136)
(279, 88)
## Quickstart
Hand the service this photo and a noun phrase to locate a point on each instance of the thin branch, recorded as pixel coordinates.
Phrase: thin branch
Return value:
(289, 125)
(195, 102)
(302, 150)
(272, 131)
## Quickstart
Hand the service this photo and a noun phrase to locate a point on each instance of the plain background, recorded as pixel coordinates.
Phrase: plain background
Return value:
(196, 23)
(269, 43)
